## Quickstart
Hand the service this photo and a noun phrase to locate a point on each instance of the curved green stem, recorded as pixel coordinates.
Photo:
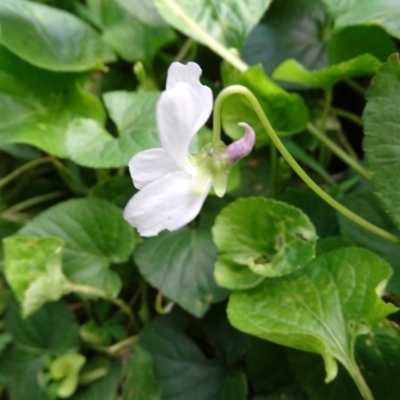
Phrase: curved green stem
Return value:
(241, 90)
(20, 170)
(204, 37)
(348, 115)
(338, 151)
(92, 291)
(31, 202)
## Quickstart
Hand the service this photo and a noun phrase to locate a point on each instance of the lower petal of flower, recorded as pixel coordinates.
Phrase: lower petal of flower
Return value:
(167, 203)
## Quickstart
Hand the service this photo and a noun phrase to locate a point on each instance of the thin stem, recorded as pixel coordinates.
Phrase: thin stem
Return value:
(159, 306)
(348, 115)
(185, 49)
(359, 380)
(274, 172)
(31, 202)
(238, 89)
(116, 349)
(338, 151)
(70, 180)
(356, 86)
(346, 145)
(205, 37)
(20, 170)
(324, 155)
(90, 290)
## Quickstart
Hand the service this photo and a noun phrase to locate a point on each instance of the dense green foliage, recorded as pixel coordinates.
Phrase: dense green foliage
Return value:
(285, 288)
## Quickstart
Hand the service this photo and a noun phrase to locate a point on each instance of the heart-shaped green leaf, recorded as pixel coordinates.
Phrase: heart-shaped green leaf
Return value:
(292, 71)
(289, 32)
(258, 238)
(145, 38)
(180, 367)
(385, 13)
(49, 333)
(321, 308)
(89, 144)
(50, 38)
(367, 206)
(382, 140)
(33, 268)
(186, 256)
(95, 235)
(36, 105)
(227, 21)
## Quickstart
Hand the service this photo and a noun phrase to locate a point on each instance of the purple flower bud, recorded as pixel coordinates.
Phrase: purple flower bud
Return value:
(242, 147)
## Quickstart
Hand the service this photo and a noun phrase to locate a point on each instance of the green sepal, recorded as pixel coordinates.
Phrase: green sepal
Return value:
(212, 162)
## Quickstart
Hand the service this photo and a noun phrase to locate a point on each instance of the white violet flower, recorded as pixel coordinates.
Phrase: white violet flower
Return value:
(173, 185)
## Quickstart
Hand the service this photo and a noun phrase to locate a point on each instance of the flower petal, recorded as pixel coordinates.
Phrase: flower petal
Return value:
(167, 203)
(182, 110)
(150, 165)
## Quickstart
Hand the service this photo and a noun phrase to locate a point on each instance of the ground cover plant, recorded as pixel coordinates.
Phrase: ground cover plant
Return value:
(199, 199)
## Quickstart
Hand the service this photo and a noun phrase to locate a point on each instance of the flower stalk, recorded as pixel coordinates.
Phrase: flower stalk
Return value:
(241, 90)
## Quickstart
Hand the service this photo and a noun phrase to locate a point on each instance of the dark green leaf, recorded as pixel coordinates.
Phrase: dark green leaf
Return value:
(367, 206)
(289, 32)
(105, 388)
(310, 373)
(385, 13)
(180, 367)
(382, 141)
(51, 332)
(50, 38)
(141, 383)
(185, 256)
(116, 189)
(354, 41)
(122, 27)
(379, 357)
(267, 366)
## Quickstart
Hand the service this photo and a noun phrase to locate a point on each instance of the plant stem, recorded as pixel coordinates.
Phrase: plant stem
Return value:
(324, 154)
(238, 89)
(31, 202)
(115, 349)
(274, 179)
(356, 86)
(355, 373)
(185, 49)
(204, 37)
(90, 290)
(348, 115)
(159, 306)
(20, 170)
(338, 151)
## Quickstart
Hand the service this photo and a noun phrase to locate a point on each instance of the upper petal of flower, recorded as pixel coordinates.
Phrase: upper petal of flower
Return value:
(182, 110)
(167, 203)
(150, 165)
